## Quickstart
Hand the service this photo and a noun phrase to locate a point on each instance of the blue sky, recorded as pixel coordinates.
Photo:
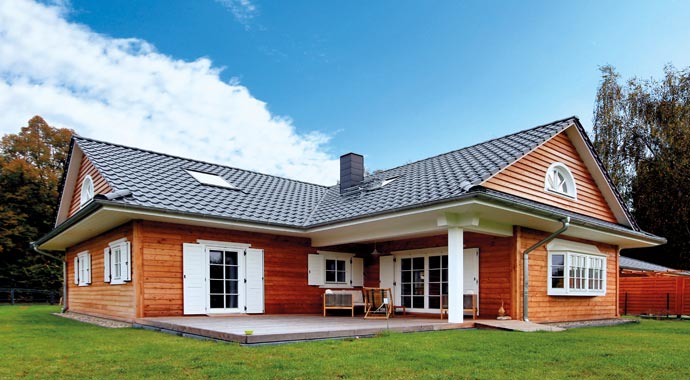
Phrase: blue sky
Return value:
(394, 80)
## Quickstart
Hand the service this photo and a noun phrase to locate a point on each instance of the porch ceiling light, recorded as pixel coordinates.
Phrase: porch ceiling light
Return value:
(375, 252)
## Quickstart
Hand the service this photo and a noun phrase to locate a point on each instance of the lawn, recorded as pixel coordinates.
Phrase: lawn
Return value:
(37, 345)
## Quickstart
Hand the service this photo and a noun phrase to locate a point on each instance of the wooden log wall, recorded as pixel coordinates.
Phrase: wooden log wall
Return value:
(495, 278)
(545, 308)
(100, 186)
(658, 295)
(285, 268)
(100, 298)
(525, 178)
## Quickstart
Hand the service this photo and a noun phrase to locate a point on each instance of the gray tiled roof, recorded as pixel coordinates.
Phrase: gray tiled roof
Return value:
(160, 181)
(434, 179)
(630, 263)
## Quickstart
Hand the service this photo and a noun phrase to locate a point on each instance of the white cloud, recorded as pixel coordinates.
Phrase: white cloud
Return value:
(242, 10)
(123, 91)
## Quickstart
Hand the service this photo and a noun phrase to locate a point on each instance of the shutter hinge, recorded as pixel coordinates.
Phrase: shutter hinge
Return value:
(395, 283)
(395, 259)
(245, 280)
(245, 253)
(245, 308)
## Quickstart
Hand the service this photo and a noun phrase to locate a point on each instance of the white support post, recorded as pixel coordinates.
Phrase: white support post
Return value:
(455, 273)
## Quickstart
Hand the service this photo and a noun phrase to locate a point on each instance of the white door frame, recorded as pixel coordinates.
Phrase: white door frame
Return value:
(426, 252)
(203, 247)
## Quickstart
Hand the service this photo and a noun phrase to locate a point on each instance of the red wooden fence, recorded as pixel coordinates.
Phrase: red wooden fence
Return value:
(654, 295)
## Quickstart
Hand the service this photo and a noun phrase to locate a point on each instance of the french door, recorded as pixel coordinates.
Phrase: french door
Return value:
(419, 279)
(222, 279)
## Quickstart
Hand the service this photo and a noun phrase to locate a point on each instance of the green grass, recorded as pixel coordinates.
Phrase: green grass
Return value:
(37, 345)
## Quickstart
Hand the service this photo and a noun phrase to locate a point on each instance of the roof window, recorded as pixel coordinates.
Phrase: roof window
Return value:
(211, 179)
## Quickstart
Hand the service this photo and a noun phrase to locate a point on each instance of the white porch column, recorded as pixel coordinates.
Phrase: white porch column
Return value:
(455, 274)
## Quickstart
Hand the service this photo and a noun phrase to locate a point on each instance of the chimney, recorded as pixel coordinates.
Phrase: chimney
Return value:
(351, 170)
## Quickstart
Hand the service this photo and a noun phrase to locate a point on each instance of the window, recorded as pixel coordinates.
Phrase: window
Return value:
(335, 270)
(559, 180)
(82, 269)
(87, 191)
(117, 267)
(211, 179)
(576, 269)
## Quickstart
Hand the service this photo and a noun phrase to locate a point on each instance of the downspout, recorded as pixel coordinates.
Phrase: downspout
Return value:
(64, 274)
(525, 264)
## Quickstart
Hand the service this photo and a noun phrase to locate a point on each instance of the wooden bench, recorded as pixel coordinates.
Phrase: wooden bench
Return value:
(342, 300)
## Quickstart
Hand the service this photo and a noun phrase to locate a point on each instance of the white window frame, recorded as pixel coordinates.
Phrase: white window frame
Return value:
(350, 266)
(110, 274)
(335, 272)
(87, 191)
(572, 253)
(82, 269)
(551, 172)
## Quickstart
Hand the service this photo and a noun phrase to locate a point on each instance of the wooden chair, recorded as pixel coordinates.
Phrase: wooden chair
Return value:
(378, 303)
(469, 305)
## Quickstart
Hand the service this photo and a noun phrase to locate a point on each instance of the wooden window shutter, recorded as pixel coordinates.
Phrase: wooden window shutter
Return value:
(316, 270)
(126, 261)
(87, 266)
(76, 270)
(106, 265)
(357, 271)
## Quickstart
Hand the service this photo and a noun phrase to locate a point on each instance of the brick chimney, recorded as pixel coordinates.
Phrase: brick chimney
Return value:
(351, 170)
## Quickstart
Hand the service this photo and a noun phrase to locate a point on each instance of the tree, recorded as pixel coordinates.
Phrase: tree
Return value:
(31, 165)
(642, 133)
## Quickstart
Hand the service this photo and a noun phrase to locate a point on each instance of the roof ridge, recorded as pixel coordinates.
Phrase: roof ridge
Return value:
(77, 137)
(479, 143)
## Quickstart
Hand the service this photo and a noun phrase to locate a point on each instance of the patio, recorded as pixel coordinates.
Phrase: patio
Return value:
(289, 328)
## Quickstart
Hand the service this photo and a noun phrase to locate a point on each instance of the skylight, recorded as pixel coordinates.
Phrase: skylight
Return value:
(211, 179)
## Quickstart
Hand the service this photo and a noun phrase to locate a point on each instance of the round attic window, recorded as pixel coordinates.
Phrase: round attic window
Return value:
(560, 180)
(86, 191)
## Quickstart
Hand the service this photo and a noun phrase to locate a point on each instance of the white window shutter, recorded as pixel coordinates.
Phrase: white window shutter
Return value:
(194, 292)
(357, 272)
(76, 270)
(87, 265)
(127, 261)
(106, 265)
(316, 270)
(387, 273)
(254, 275)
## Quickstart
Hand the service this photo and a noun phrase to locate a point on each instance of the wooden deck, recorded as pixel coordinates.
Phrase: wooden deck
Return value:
(287, 328)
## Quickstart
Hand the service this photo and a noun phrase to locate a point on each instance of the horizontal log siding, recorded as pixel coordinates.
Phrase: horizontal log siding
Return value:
(525, 178)
(100, 298)
(100, 186)
(545, 308)
(285, 268)
(648, 295)
(495, 283)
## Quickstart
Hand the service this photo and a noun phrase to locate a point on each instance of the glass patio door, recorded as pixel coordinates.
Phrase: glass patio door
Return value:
(424, 281)
(224, 281)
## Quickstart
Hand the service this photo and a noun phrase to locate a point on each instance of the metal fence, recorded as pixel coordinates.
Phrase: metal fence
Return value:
(20, 295)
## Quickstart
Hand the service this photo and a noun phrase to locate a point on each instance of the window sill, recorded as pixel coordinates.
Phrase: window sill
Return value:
(337, 286)
(117, 282)
(585, 294)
